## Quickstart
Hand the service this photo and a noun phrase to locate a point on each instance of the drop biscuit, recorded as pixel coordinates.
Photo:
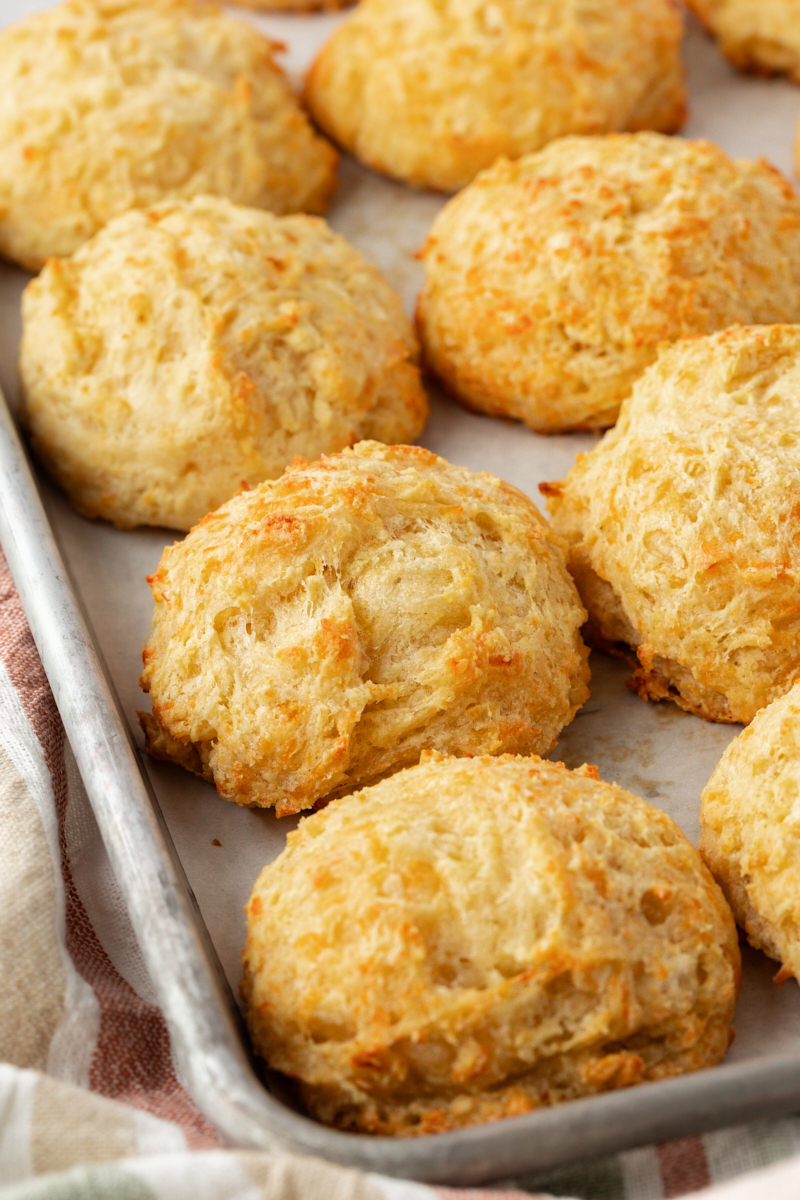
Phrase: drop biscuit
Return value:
(551, 282)
(108, 105)
(195, 348)
(475, 938)
(325, 629)
(433, 91)
(755, 35)
(684, 526)
(750, 835)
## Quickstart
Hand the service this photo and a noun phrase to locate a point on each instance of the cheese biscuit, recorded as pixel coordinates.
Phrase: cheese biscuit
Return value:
(551, 282)
(750, 837)
(755, 35)
(195, 348)
(433, 91)
(475, 938)
(321, 631)
(108, 105)
(684, 524)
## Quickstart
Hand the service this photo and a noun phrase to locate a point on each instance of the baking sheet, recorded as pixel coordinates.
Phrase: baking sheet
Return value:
(657, 751)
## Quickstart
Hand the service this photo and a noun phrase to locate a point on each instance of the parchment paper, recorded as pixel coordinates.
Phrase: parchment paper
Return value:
(656, 751)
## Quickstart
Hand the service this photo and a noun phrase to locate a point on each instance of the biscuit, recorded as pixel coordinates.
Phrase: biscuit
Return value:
(108, 105)
(683, 523)
(755, 35)
(474, 938)
(551, 282)
(433, 91)
(293, 5)
(750, 837)
(194, 348)
(323, 630)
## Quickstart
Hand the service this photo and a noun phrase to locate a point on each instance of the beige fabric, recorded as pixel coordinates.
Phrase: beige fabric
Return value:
(70, 1126)
(34, 983)
(281, 1177)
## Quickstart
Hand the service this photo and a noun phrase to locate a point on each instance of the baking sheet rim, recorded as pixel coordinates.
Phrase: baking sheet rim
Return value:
(207, 1033)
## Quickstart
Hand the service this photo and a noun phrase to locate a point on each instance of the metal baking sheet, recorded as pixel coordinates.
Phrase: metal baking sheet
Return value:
(186, 860)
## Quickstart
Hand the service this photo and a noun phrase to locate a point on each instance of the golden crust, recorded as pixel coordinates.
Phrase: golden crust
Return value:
(323, 630)
(432, 92)
(294, 5)
(762, 36)
(750, 837)
(684, 524)
(551, 282)
(108, 105)
(474, 938)
(195, 348)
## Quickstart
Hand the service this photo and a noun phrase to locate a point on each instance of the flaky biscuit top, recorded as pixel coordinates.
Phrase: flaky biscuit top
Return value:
(198, 347)
(551, 282)
(684, 525)
(325, 629)
(473, 938)
(433, 91)
(750, 829)
(108, 105)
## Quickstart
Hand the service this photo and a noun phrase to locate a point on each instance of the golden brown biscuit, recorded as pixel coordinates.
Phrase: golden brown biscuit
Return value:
(433, 91)
(108, 105)
(750, 837)
(755, 35)
(684, 523)
(551, 282)
(323, 630)
(472, 939)
(195, 348)
(293, 5)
